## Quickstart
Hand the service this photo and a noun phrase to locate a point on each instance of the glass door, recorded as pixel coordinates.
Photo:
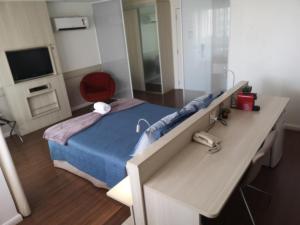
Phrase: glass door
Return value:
(205, 29)
(150, 48)
(109, 22)
(143, 45)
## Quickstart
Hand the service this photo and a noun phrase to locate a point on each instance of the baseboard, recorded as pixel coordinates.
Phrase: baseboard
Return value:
(85, 104)
(122, 93)
(13, 221)
(293, 127)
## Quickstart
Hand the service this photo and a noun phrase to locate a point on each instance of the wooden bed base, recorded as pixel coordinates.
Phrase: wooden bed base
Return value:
(68, 167)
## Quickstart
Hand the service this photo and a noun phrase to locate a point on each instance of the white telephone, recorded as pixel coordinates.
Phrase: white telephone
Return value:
(209, 140)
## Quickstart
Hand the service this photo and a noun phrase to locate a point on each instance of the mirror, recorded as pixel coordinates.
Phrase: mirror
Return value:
(205, 34)
(143, 45)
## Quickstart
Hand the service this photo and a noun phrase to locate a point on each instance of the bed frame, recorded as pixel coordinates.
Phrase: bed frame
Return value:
(142, 167)
(72, 169)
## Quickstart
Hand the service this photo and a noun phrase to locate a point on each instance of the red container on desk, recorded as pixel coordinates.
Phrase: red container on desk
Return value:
(245, 101)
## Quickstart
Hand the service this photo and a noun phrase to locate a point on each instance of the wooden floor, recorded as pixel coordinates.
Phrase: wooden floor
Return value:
(56, 196)
(60, 198)
(172, 98)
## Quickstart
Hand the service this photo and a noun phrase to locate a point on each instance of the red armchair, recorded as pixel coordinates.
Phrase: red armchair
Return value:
(97, 86)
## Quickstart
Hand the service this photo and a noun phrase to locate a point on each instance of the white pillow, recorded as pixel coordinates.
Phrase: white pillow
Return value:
(153, 133)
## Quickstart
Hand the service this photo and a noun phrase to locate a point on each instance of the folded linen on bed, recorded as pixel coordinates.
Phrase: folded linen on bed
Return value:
(61, 132)
(102, 108)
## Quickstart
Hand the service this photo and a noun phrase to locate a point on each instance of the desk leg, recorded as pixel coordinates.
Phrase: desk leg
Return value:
(130, 220)
(164, 211)
(273, 157)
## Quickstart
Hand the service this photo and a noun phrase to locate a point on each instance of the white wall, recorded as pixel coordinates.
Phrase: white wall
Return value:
(77, 48)
(265, 48)
(8, 212)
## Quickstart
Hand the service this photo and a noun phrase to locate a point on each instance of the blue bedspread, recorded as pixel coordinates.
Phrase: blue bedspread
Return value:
(103, 149)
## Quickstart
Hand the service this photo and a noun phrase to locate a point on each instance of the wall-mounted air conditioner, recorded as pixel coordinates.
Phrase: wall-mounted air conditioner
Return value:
(70, 23)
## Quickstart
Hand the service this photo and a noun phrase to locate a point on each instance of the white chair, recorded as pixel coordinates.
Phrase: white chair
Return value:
(254, 170)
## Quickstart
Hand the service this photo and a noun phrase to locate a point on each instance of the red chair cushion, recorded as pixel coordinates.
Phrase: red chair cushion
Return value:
(97, 86)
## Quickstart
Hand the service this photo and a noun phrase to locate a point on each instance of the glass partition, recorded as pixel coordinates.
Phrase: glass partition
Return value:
(143, 45)
(205, 26)
(150, 51)
(108, 18)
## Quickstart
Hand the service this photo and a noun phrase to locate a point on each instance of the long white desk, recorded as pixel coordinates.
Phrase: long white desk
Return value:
(195, 182)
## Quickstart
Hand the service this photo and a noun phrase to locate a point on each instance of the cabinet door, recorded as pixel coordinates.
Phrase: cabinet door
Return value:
(134, 49)
(24, 25)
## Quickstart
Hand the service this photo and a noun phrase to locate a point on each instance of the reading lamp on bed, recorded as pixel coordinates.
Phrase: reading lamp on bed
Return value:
(138, 126)
(232, 74)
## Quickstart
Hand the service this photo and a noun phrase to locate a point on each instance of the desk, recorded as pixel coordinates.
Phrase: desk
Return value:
(195, 182)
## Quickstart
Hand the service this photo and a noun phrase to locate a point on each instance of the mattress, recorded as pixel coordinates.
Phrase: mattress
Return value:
(103, 149)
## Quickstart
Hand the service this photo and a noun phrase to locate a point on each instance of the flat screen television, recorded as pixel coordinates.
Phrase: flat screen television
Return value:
(29, 63)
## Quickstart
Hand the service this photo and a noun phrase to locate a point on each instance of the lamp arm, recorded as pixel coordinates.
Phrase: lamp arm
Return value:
(138, 124)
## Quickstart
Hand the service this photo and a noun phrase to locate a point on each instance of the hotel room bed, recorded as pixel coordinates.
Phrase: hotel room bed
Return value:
(102, 150)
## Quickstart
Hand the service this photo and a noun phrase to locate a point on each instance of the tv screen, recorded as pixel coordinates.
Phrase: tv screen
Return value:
(29, 63)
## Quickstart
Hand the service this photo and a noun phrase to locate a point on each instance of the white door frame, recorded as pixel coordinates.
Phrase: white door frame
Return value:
(177, 44)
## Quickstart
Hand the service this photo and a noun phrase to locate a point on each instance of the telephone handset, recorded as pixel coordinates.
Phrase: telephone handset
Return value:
(209, 140)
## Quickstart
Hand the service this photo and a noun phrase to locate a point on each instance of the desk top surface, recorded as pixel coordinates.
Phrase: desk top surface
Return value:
(204, 181)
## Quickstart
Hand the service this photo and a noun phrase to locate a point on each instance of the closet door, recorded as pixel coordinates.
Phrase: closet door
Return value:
(134, 48)
(197, 27)
(109, 23)
(205, 28)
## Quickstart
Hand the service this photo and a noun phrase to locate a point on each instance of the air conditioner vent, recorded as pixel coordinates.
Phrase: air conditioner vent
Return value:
(70, 23)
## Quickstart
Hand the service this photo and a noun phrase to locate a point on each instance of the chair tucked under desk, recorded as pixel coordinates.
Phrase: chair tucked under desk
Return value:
(254, 169)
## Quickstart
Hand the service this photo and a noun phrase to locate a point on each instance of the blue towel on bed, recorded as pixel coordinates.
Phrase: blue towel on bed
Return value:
(103, 149)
